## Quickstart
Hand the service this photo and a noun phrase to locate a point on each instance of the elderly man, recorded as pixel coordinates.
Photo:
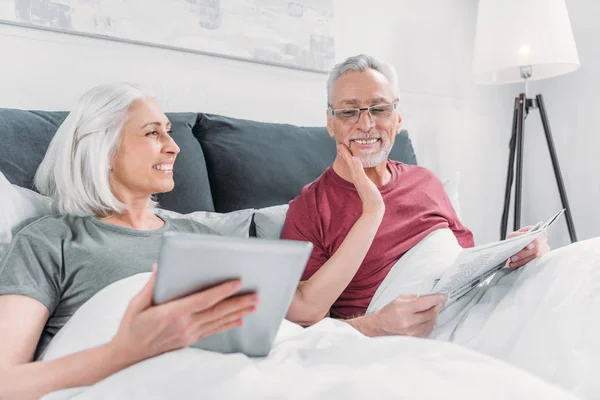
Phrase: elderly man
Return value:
(365, 211)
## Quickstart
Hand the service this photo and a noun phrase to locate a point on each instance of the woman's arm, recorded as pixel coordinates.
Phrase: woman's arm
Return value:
(145, 331)
(315, 296)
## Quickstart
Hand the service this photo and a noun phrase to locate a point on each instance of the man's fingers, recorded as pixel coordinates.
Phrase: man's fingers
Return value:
(428, 315)
(207, 298)
(424, 303)
(407, 297)
(423, 330)
(522, 262)
(523, 254)
(534, 249)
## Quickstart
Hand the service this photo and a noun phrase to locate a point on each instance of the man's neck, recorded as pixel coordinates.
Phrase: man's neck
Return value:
(380, 174)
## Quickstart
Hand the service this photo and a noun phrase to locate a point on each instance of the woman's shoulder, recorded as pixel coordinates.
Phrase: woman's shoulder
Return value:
(52, 225)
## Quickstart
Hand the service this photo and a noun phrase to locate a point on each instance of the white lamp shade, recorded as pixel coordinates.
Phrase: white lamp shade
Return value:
(515, 33)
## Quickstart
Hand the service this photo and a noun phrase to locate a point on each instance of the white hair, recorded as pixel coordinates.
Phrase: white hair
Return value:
(75, 171)
(360, 63)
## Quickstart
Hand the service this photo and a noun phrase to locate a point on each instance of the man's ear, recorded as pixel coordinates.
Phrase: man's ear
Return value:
(399, 124)
(329, 124)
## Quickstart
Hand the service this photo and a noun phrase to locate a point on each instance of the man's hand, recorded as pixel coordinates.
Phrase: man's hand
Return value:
(535, 249)
(407, 315)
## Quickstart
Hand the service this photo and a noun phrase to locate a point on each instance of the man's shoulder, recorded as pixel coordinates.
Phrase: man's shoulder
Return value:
(410, 168)
(417, 172)
(310, 191)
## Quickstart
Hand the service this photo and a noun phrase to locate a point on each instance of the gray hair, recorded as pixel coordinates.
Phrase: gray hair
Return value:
(75, 171)
(360, 63)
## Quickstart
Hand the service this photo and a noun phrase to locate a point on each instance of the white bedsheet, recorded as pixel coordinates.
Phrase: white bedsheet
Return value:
(543, 319)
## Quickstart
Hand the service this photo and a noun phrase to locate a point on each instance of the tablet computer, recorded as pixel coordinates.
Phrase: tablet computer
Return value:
(272, 269)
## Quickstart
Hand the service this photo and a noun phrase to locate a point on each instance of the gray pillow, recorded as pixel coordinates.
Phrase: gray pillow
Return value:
(27, 134)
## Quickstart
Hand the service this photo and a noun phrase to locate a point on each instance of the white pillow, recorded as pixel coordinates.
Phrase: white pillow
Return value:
(235, 223)
(97, 320)
(18, 207)
(451, 187)
(418, 269)
(269, 220)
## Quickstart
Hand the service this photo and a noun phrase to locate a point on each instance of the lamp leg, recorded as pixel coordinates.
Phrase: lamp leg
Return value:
(519, 179)
(510, 173)
(557, 173)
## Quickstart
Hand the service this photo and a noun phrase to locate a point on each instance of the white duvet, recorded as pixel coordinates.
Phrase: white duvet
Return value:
(534, 333)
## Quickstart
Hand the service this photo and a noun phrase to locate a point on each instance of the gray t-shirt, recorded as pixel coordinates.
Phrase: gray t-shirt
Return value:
(62, 261)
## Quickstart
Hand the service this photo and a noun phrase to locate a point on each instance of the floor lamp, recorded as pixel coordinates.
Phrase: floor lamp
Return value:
(521, 41)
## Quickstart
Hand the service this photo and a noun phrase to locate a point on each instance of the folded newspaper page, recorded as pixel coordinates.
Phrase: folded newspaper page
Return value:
(476, 264)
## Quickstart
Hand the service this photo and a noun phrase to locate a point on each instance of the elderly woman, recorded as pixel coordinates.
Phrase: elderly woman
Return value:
(109, 156)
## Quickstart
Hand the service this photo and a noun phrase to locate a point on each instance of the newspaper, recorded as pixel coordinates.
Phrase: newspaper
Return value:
(476, 264)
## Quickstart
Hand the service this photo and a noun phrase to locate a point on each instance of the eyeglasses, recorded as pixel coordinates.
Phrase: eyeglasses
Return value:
(352, 115)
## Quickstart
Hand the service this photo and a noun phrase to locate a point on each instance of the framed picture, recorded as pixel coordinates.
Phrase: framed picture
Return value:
(295, 34)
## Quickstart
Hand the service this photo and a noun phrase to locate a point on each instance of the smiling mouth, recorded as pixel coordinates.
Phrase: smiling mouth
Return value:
(163, 167)
(364, 142)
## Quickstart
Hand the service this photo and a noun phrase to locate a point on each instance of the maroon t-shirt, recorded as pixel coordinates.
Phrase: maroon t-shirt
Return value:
(325, 211)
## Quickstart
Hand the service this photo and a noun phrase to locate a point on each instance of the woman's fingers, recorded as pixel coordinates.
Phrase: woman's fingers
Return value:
(344, 151)
(206, 324)
(143, 299)
(231, 305)
(207, 298)
(221, 328)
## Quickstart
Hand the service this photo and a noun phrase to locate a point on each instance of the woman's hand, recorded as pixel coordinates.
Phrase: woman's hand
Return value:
(367, 190)
(148, 330)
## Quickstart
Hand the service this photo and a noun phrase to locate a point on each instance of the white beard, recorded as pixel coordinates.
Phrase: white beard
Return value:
(372, 160)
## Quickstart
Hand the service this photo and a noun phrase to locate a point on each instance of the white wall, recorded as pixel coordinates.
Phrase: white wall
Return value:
(572, 102)
(455, 125)
(50, 71)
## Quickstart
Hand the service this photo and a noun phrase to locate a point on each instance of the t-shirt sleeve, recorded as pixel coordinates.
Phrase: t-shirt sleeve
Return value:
(301, 224)
(31, 267)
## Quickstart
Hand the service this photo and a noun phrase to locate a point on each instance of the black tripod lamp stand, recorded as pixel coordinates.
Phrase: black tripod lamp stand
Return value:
(522, 107)
(521, 41)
